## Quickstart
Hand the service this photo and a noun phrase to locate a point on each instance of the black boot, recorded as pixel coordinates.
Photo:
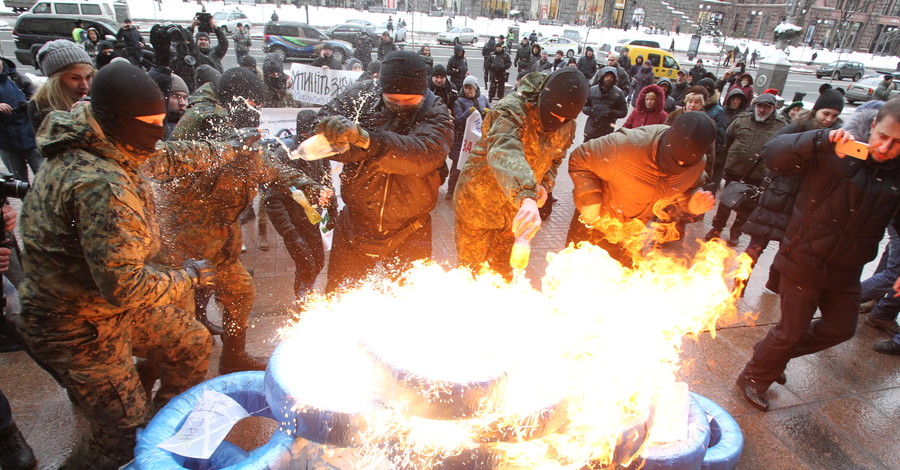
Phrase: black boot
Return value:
(234, 355)
(15, 454)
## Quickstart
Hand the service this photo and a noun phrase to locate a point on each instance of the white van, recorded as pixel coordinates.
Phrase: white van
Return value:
(116, 10)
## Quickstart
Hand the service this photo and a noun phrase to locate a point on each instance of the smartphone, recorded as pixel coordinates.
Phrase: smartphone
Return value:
(205, 20)
(853, 149)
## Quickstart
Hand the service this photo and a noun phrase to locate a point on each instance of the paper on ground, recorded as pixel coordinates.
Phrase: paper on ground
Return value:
(206, 426)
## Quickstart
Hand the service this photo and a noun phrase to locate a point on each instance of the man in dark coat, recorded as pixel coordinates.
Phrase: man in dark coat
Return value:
(498, 63)
(440, 86)
(457, 66)
(679, 88)
(327, 59)
(486, 52)
(213, 54)
(390, 177)
(605, 105)
(839, 217)
(697, 72)
(134, 44)
(587, 64)
(523, 56)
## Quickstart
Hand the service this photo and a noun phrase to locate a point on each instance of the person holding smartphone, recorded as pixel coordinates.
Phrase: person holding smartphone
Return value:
(204, 25)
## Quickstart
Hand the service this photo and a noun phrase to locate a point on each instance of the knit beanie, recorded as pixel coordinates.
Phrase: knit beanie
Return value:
(178, 85)
(59, 54)
(206, 74)
(471, 80)
(403, 73)
(709, 84)
(685, 142)
(247, 61)
(830, 99)
(238, 83)
(439, 71)
(201, 35)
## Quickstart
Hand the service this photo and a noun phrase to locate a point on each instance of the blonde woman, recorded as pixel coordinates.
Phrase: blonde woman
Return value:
(69, 72)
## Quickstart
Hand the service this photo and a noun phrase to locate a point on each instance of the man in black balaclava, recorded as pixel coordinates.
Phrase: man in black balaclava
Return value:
(87, 312)
(277, 82)
(513, 166)
(618, 178)
(390, 177)
(242, 93)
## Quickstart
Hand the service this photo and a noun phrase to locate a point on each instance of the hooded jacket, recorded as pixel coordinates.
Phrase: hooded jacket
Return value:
(526, 156)
(641, 116)
(697, 73)
(747, 90)
(840, 213)
(621, 172)
(588, 65)
(716, 112)
(730, 114)
(642, 78)
(499, 63)
(744, 142)
(678, 92)
(215, 54)
(670, 101)
(603, 107)
(89, 223)
(457, 66)
(16, 132)
(446, 93)
(462, 109)
(636, 66)
(395, 181)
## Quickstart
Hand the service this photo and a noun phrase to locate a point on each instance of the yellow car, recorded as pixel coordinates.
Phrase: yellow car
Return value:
(664, 64)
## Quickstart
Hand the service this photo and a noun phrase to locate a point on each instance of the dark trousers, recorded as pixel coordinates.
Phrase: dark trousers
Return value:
(350, 262)
(302, 239)
(498, 86)
(723, 213)
(5, 411)
(797, 334)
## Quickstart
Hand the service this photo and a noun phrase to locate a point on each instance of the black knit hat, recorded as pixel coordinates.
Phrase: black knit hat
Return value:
(709, 84)
(403, 73)
(239, 82)
(683, 145)
(830, 99)
(439, 71)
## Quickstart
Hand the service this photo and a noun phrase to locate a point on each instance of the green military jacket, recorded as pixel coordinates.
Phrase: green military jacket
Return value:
(88, 223)
(512, 157)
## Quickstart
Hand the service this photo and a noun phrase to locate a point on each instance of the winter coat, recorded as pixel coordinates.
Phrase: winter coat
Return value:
(457, 66)
(773, 210)
(883, 92)
(429, 60)
(330, 62)
(678, 92)
(747, 90)
(132, 40)
(216, 54)
(89, 222)
(462, 109)
(558, 64)
(697, 74)
(395, 181)
(641, 116)
(624, 62)
(498, 64)
(488, 48)
(620, 172)
(384, 46)
(241, 41)
(840, 213)
(744, 142)
(446, 93)
(16, 132)
(587, 65)
(603, 107)
(636, 67)
(716, 112)
(523, 58)
(642, 78)
(542, 65)
(730, 114)
(511, 159)
(670, 102)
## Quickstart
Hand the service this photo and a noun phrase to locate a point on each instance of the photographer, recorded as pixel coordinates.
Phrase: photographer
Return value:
(17, 147)
(134, 44)
(204, 24)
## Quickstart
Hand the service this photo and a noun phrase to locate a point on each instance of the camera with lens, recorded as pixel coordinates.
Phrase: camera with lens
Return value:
(11, 187)
(205, 22)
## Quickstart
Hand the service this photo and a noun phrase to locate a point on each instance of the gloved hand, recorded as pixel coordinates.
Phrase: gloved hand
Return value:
(246, 138)
(485, 111)
(201, 271)
(472, 109)
(299, 251)
(339, 130)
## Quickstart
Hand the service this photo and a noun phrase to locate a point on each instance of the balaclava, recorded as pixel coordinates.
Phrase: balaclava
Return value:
(234, 88)
(686, 141)
(564, 95)
(273, 65)
(403, 73)
(120, 93)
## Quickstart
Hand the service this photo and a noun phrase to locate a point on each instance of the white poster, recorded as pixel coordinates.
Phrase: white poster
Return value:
(206, 426)
(318, 85)
(471, 135)
(274, 120)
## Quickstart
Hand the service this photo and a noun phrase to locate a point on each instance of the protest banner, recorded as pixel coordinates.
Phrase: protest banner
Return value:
(317, 85)
(470, 136)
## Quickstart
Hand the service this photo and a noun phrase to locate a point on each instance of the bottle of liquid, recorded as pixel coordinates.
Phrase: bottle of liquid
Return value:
(317, 147)
(521, 252)
(312, 214)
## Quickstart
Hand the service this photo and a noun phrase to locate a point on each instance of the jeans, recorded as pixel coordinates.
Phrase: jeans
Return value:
(18, 161)
(882, 282)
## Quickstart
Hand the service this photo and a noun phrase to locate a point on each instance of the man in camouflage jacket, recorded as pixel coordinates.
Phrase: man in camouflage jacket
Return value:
(204, 208)
(90, 297)
(514, 164)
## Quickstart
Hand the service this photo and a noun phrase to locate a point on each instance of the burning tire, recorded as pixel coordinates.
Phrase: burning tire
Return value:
(681, 455)
(247, 388)
(726, 441)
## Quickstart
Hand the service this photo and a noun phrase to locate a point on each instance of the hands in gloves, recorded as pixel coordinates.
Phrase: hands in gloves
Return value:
(339, 130)
(201, 271)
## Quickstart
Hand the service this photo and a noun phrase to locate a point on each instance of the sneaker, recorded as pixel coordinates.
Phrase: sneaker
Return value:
(889, 326)
(887, 347)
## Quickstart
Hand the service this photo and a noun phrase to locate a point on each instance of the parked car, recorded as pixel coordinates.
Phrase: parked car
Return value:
(114, 10)
(366, 23)
(350, 31)
(635, 42)
(865, 88)
(228, 20)
(839, 70)
(458, 36)
(296, 40)
(572, 34)
(557, 43)
(399, 32)
(32, 31)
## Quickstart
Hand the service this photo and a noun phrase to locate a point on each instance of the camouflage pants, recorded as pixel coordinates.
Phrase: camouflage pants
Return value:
(94, 358)
(235, 289)
(476, 245)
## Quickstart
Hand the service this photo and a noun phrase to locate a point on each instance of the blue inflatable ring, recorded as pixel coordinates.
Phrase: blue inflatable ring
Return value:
(726, 442)
(248, 389)
(682, 455)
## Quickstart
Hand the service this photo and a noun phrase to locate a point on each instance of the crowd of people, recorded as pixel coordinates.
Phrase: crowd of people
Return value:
(134, 218)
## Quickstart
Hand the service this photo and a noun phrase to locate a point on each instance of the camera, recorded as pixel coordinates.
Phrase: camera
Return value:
(205, 20)
(11, 187)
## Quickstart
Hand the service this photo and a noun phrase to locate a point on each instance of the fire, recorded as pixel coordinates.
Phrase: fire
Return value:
(447, 364)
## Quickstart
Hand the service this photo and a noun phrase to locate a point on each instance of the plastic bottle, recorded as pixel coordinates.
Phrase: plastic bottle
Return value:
(317, 147)
(311, 213)
(521, 252)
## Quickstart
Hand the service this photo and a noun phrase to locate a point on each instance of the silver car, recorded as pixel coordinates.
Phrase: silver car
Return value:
(865, 88)
(458, 36)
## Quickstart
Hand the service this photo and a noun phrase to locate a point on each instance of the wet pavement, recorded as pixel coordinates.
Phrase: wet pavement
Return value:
(840, 408)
